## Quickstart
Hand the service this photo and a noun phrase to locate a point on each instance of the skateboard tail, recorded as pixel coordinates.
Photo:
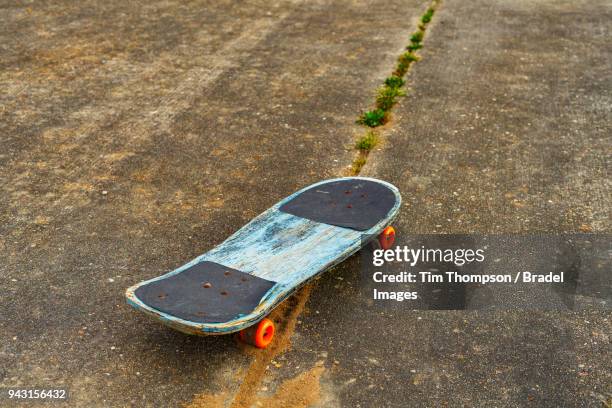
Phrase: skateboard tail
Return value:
(194, 328)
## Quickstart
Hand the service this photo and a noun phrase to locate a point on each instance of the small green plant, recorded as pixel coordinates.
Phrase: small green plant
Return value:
(417, 37)
(386, 97)
(409, 57)
(402, 68)
(404, 63)
(367, 141)
(426, 18)
(358, 163)
(413, 47)
(394, 81)
(372, 118)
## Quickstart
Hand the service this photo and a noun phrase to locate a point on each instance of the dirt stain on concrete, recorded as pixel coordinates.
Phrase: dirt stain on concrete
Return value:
(302, 391)
(210, 400)
(285, 317)
(299, 392)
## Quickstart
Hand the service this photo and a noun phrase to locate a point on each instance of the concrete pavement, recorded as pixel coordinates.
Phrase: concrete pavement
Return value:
(137, 136)
(505, 130)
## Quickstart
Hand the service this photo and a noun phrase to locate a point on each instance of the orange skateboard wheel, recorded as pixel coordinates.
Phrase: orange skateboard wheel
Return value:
(259, 335)
(387, 237)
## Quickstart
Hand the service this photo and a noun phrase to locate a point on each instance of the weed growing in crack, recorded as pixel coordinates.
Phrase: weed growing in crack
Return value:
(394, 81)
(409, 57)
(367, 142)
(426, 18)
(372, 118)
(401, 69)
(404, 62)
(386, 97)
(358, 163)
(417, 37)
(414, 46)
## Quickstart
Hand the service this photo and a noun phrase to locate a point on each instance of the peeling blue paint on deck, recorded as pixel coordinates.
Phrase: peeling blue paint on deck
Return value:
(276, 246)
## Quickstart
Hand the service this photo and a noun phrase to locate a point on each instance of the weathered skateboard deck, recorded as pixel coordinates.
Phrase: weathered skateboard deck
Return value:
(239, 282)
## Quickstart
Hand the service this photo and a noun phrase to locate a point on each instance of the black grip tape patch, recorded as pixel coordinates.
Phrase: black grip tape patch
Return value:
(356, 204)
(206, 293)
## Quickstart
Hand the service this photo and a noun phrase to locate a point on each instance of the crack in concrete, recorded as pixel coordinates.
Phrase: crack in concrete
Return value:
(401, 70)
(285, 317)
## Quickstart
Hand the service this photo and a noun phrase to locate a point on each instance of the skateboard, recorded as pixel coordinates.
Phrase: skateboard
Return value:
(234, 286)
